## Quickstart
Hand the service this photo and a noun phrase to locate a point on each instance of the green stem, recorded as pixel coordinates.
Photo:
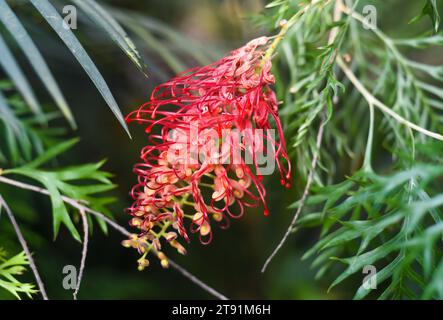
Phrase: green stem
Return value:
(368, 153)
(285, 26)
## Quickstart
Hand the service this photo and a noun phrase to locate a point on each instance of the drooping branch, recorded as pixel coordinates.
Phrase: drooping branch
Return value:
(25, 247)
(80, 206)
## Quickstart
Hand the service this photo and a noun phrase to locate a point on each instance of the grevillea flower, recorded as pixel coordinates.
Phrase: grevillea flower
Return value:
(206, 129)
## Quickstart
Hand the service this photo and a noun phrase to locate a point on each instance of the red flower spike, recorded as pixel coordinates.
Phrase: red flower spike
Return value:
(192, 168)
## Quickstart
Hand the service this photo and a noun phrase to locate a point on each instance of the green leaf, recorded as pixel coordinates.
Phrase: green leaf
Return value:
(381, 276)
(18, 137)
(169, 57)
(201, 53)
(88, 171)
(275, 3)
(60, 213)
(101, 17)
(54, 19)
(19, 33)
(9, 268)
(73, 182)
(12, 69)
(8, 115)
(423, 42)
(430, 9)
(52, 152)
(436, 284)
(356, 264)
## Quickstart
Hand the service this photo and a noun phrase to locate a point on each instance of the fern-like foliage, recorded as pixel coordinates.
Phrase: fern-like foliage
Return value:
(22, 135)
(377, 195)
(9, 269)
(28, 150)
(33, 140)
(79, 182)
(392, 222)
(28, 137)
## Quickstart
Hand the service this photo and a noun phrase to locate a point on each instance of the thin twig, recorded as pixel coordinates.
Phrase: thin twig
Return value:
(369, 97)
(285, 26)
(173, 264)
(380, 105)
(25, 247)
(332, 36)
(197, 281)
(303, 198)
(84, 252)
(336, 17)
(70, 201)
(76, 204)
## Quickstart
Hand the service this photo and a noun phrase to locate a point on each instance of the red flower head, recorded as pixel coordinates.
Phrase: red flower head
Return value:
(207, 130)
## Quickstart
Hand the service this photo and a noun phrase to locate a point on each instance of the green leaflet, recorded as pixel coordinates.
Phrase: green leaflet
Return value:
(9, 269)
(374, 224)
(430, 9)
(81, 182)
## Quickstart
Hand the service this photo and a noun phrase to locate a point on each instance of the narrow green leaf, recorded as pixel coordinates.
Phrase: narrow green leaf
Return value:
(9, 269)
(15, 133)
(356, 263)
(159, 47)
(21, 36)
(103, 225)
(85, 171)
(12, 69)
(54, 19)
(436, 284)
(59, 212)
(430, 9)
(275, 3)
(381, 276)
(7, 114)
(100, 16)
(201, 53)
(52, 152)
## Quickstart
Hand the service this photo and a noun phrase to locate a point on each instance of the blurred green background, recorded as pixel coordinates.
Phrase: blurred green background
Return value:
(231, 263)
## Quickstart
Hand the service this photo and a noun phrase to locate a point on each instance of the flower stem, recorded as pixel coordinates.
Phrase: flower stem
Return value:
(285, 26)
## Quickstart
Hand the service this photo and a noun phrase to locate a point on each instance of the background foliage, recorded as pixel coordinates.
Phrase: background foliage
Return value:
(376, 196)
